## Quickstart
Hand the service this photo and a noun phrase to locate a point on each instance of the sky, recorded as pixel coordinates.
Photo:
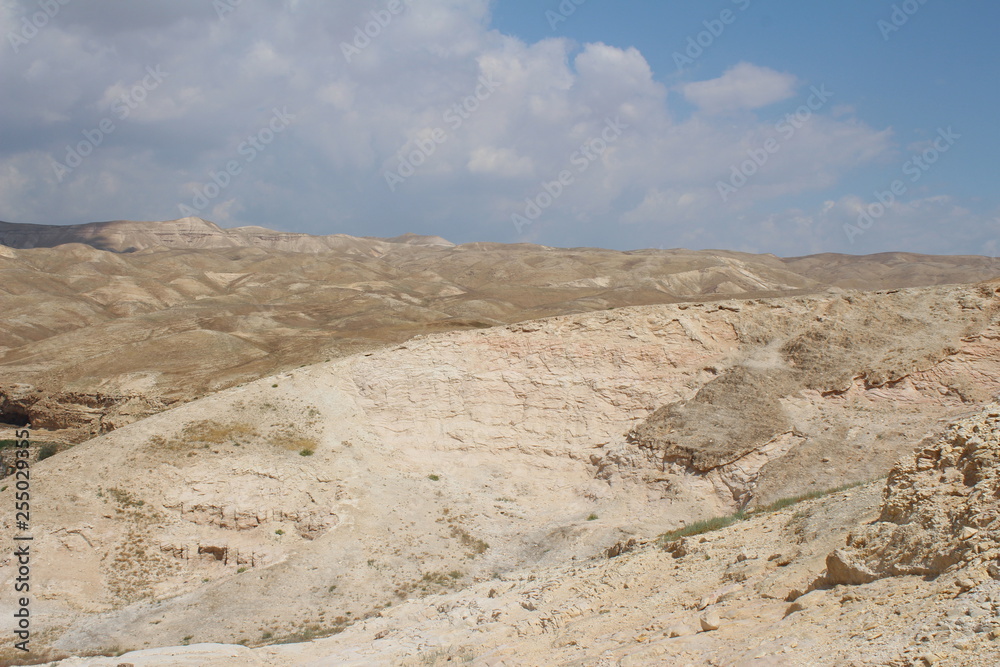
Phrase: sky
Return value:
(792, 128)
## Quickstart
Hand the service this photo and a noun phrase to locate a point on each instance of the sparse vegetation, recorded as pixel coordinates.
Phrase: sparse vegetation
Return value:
(705, 526)
(433, 478)
(241, 570)
(47, 450)
(473, 544)
(125, 499)
(312, 631)
(592, 517)
(462, 656)
(306, 452)
(716, 523)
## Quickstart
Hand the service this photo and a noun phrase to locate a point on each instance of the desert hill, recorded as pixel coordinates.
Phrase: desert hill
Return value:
(108, 322)
(422, 453)
(126, 236)
(510, 458)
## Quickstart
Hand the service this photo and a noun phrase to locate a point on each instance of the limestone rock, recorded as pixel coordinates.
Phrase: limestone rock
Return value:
(679, 630)
(710, 621)
(936, 501)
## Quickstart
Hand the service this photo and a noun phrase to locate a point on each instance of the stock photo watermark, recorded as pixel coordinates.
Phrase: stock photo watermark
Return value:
(370, 31)
(549, 191)
(121, 109)
(31, 24)
(740, 174)
(562, 13)
(900, 16)
(914, 169)
(415, 153)
(251, 147)
(714, 28)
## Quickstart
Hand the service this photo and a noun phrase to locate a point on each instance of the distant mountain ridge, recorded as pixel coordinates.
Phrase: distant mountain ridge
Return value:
(131, 236)
(886, 270)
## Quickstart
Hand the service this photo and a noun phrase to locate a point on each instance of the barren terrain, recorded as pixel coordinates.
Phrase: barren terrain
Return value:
(109, 322)
(412, 453)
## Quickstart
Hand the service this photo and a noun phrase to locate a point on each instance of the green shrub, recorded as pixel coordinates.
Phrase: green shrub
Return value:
(47, 450)
(433, 478)
(306, 452)
(592, 517)
(699, 527)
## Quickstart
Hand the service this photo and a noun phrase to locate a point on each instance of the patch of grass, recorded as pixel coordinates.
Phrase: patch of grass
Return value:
(279, 532)
(812, 495)
(241, 570)
(205, 433)
(705, 526)
(473, 544)
(125, 499)
(314, 631)
(295, 442)
(592, 517)
(433, 478)
(306, 452)
(716, 523)
(48, 450)
(9, 443)
(449, 656)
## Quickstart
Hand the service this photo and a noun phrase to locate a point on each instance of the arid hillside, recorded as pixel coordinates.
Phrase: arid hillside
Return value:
(268, 438)
(289, 507)
(108, 322)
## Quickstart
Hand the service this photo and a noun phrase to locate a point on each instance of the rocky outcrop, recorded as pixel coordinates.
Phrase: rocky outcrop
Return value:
(83, 415)
(941, 509)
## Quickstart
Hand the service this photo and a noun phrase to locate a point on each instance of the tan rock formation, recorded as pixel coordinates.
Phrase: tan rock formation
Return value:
(941, 509)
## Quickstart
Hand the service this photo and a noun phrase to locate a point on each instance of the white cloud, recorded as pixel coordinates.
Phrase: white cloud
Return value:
(502, 162)
(543, 105)
(744, 86)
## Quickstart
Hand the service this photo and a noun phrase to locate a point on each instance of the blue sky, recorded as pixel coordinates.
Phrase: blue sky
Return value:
(576, 132)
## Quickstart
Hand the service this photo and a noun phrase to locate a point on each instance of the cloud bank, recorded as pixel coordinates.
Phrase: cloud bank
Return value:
(381, 117)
